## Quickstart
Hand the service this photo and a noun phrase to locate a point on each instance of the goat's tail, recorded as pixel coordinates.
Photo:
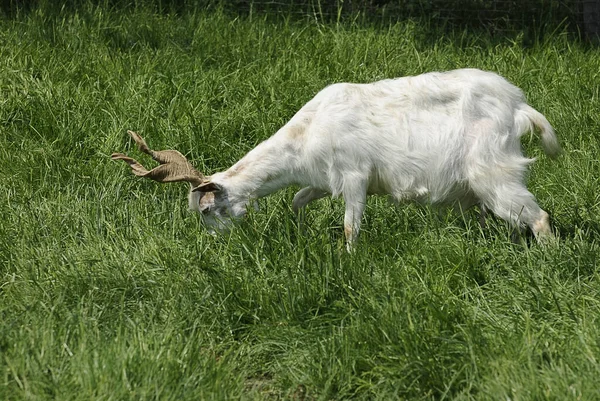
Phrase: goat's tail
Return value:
(529, 118)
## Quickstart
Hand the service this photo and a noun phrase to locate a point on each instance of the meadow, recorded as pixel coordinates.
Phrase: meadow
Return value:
(111, 290)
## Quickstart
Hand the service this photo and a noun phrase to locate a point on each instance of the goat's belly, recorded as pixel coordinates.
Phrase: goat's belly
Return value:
(419, 194)
(423, 191)
(400, 191)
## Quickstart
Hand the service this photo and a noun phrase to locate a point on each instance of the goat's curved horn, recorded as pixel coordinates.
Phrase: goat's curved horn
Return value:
(174, 167)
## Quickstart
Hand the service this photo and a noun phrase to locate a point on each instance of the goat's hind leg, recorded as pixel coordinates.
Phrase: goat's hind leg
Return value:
(512, 202)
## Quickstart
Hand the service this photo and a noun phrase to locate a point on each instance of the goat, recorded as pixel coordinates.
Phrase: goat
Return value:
(442, 137)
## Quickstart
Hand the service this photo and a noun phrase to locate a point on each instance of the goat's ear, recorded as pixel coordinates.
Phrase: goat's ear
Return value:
(208, 187)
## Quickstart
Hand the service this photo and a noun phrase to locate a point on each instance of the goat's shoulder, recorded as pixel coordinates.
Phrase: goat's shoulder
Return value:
(340, 92)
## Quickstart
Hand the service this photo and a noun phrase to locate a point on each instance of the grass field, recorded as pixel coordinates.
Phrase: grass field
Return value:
(111, 290)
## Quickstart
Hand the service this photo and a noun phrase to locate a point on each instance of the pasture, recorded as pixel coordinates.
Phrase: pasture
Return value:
(111, 290)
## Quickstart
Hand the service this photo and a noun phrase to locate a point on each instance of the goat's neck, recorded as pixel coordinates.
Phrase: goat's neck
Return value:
(270, 166)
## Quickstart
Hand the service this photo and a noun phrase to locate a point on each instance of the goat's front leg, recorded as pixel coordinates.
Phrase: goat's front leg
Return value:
(305, 196)
(355, 197)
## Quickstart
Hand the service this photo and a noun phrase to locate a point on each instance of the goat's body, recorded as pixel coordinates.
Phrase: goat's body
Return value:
(426, 137)
(450, 137)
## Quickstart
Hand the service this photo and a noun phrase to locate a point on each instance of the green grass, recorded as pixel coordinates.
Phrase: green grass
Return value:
(111, 290)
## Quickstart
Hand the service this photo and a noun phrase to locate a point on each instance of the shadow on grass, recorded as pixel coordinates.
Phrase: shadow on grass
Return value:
(528, 21)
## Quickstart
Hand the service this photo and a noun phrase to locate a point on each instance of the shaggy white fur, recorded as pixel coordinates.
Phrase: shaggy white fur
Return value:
(450, 137)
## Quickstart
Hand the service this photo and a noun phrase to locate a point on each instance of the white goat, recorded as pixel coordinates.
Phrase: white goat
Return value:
(445, 138)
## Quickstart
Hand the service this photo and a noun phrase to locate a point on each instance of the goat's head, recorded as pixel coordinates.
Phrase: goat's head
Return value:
(207, 197)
